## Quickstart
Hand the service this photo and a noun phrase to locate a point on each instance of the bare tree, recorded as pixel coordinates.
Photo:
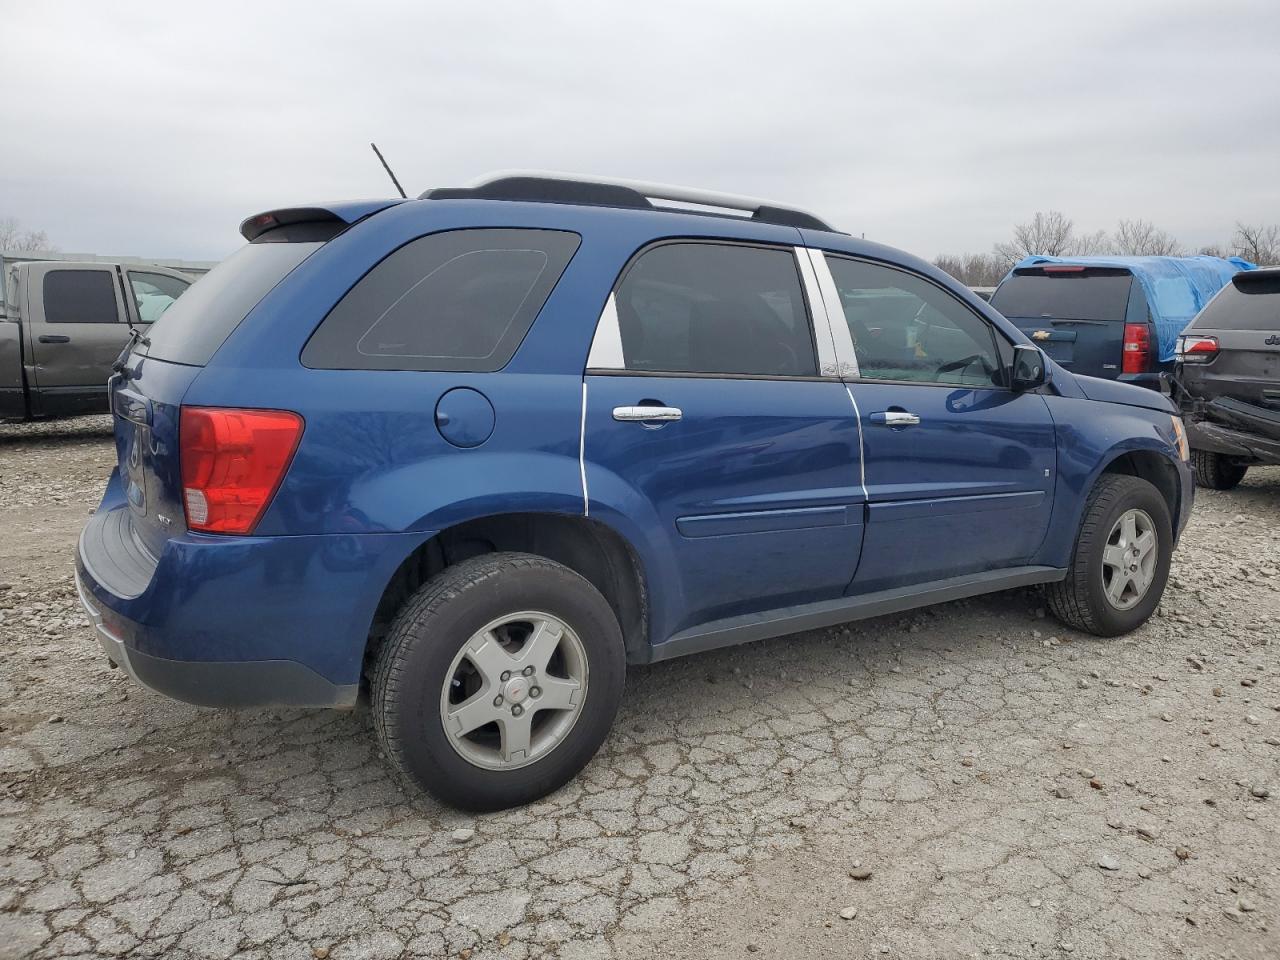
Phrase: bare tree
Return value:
(1260, 244)
(1142, 238)
(974, 269)
(1215, 250)
(14, 237)
(1050, 234)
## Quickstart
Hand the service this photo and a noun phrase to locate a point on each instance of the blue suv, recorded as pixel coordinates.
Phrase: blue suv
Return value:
(475, 453)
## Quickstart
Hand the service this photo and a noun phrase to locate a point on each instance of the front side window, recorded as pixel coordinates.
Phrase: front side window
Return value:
(79, 296)
(905, 328)
(154, 293)
(461, 300)
(715, 308)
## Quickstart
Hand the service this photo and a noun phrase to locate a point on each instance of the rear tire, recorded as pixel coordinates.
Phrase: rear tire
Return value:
(461, 654)
(1119, 506)
(1215, 471)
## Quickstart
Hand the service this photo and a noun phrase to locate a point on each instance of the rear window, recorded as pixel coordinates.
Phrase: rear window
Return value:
(461, 300)
(79, 296)
(195, 325)
(1251, 301)
(1085, 295)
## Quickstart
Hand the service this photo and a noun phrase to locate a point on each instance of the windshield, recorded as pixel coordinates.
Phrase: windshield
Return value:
(195, 325)
(1083, 295)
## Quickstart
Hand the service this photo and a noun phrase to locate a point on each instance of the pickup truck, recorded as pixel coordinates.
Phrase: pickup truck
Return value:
(64, 322)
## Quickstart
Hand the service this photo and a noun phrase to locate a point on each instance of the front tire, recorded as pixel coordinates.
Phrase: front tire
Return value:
(1216, 472)
(498, 681)
(1121, 559)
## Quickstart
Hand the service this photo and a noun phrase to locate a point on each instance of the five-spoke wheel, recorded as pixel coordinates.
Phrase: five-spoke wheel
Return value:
(499, 680)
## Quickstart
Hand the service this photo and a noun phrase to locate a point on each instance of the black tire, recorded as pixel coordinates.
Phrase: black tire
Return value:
(1080, 599)
(1216, 472)
(428, 633)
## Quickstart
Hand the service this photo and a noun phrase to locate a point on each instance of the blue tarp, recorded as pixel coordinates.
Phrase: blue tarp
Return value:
(1177, 288)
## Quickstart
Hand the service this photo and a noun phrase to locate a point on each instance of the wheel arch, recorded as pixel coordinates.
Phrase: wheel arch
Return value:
(594, 550)
(1153, 466)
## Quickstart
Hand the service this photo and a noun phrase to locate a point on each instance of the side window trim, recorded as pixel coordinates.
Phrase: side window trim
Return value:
(819, 315)
(606, 356)
(845, 349)
(845, 356)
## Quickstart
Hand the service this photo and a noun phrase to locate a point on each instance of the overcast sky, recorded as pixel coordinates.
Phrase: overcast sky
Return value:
(151, 129)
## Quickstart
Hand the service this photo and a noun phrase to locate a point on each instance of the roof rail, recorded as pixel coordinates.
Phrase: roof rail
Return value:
(549, 187)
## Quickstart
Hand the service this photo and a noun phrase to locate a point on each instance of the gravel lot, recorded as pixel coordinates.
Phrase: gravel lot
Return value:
(1013, 788)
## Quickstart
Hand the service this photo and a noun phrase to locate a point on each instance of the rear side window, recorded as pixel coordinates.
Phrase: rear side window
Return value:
(195, 325)
(461, 300)
(715, 308)
(1251, 301)
(1092, 294)
(79, 296)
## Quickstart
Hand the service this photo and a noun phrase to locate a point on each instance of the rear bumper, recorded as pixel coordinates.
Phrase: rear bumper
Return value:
(1233, 428)
(241, 621)
(223, 683)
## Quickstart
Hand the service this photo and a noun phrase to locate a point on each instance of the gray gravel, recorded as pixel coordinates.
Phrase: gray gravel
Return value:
(1009, 785)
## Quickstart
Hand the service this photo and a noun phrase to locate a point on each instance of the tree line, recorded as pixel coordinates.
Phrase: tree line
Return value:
(14, 236)
(1054, 234)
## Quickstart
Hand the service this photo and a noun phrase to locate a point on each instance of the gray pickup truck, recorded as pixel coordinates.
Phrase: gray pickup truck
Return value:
(64, 322)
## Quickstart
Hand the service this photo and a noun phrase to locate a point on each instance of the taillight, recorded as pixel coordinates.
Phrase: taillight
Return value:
(1197, 349)
(1137, 348)
(232, 462)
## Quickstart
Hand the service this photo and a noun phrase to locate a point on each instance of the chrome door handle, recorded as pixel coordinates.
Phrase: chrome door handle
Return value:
(647, 413)
(895, 418)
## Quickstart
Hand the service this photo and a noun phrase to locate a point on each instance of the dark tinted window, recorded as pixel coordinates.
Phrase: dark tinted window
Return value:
(461, 300)
(1251, 301)
(1084, 295)
(715, 308)
(905, 328)
(195, 325)
(79, 296)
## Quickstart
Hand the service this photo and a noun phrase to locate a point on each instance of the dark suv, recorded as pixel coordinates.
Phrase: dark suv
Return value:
(1229, 380)
(475, 453)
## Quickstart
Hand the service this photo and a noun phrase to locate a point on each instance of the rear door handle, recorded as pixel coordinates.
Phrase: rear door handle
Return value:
(643, 414)
(895, 418)
(53, 338)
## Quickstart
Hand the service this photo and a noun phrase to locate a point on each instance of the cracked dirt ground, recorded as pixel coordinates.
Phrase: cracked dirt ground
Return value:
(950, 751)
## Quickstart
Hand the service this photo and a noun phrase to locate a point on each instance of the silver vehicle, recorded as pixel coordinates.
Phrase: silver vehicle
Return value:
(64, 322)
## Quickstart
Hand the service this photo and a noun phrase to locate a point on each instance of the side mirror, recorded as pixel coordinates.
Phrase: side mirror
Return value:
(1029, 369)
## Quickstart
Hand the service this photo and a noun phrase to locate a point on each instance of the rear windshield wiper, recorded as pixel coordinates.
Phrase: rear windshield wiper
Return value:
(135, 337)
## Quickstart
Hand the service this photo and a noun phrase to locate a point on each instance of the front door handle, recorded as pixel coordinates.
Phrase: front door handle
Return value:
(643, 414)
(53, 338)
(895, 418)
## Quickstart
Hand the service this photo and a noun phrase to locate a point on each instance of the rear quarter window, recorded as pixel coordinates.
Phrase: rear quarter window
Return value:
(1251, 301)
(461, 300)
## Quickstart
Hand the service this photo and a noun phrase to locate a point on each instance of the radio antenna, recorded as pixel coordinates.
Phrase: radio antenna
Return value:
(386, 166)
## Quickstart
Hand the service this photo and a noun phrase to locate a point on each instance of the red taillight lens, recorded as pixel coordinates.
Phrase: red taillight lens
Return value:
(1137, 348)
(1197, 349)
(232, 462)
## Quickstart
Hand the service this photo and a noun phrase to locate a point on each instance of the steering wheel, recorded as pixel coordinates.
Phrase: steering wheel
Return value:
(987, 368)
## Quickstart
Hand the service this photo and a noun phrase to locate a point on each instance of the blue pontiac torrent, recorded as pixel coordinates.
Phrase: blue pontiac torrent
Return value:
(476, 452)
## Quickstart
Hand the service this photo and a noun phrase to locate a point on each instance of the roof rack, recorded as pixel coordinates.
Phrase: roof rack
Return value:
(547, 187)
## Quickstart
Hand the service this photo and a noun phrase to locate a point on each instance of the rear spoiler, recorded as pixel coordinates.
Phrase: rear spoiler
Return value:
(338, 215)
